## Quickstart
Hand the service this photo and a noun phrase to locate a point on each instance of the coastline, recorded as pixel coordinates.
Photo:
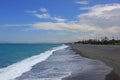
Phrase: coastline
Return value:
(17, 69)
(65, 64)
(109, 54)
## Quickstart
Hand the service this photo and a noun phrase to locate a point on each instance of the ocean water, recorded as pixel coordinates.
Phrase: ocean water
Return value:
(17, 59)
(47, 62)
(12, 53)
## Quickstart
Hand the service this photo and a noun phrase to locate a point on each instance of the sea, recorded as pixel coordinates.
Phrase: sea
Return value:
(47, 62)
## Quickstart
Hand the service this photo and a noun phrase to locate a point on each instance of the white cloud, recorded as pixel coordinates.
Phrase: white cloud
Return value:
(76, 27)
(46, 15)
(105, 18)
(71, 27)
(107, 15)
(61, 26)
(100, 20)
(59, 19)
(32, 11)
(35, 11)
(82, 2)
(14, 25)
(43, 10)
(99, 10)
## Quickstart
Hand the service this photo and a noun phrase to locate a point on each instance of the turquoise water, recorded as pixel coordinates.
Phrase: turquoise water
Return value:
(47, 62)
(12, 53)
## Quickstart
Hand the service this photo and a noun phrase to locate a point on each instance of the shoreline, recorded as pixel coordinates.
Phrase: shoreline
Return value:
(63, 64)
(109, 54)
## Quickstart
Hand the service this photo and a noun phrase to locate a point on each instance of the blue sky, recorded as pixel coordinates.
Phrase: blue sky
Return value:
(37, 21)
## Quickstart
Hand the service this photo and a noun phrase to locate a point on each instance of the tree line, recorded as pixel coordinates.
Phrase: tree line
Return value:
(104, 41)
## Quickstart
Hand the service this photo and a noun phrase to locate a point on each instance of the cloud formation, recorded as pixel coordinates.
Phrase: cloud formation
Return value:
(83, 2)
(32, 11)
(46, 15)
(72, 27)
(104, 17)
(58, 19)
(14, 25)
(43, 10)
(99, 20)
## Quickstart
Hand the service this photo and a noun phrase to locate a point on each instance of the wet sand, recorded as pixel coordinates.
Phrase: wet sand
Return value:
(109, 54)
(65, 63)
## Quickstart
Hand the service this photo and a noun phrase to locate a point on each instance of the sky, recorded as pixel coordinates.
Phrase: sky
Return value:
(53, 21)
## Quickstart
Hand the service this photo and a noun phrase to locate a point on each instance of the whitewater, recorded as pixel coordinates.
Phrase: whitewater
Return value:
(17, 69)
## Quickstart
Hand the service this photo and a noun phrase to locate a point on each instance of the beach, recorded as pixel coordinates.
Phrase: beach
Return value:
(65, 64)
(109, 54)
(61, 63)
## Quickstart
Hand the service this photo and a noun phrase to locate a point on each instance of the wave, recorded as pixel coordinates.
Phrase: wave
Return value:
(17, 69)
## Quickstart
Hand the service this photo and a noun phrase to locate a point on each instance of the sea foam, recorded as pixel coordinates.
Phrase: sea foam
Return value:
(17, 69)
